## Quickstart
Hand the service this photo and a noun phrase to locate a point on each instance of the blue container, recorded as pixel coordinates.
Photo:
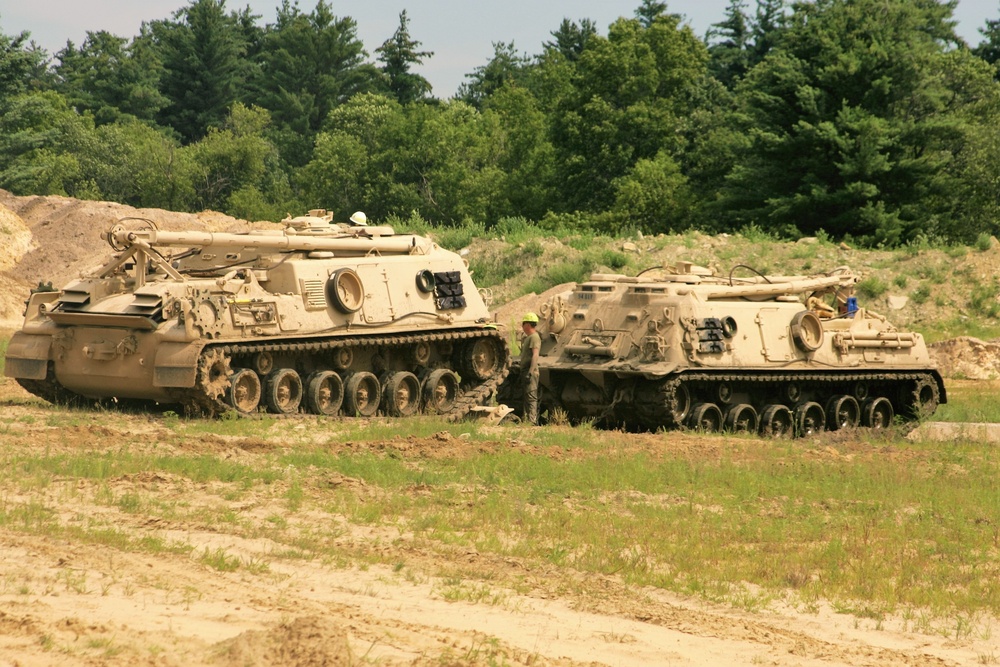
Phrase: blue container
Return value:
(852, 305)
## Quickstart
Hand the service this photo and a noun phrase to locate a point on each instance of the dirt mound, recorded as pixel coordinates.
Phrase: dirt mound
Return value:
(54, 239)
(967, 357)
(66, 233)
(304, 642)
(15, 239)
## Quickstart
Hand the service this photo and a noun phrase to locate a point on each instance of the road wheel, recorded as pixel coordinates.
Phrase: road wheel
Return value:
(401, 394)
(776, 422)
(283, 391)
(877, 413)
(810, 419)
(362, 394)
(244, 391)
(741, 418)
(440, 391)
(324, 393)
(706, 417)
(842, 412)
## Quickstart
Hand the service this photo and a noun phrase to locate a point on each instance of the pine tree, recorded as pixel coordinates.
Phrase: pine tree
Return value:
(856, 120)
(767, 28)
(649, 10)
(989, 48)
(109, 77)
(398, 54)
(311, 63)
(204, 69)
(729, 53)
(505, 67)
(19, 64)
(571, 38)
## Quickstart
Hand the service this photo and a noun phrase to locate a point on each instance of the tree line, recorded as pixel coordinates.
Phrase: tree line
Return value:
(868, 120)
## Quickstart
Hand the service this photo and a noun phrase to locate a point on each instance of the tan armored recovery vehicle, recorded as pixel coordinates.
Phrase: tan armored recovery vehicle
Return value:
(318, 316)
(685, 348)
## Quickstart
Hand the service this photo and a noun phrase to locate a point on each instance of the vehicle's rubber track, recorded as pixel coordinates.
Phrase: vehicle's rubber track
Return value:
(196, 400)
(663, 410)
(50, 390)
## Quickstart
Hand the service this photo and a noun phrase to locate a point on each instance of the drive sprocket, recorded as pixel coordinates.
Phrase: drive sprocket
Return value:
(213, 374)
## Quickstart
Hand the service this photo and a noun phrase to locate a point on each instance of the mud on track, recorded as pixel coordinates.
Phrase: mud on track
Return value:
(71, 600)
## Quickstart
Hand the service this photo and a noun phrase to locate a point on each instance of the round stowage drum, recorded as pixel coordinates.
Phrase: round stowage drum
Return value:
(729, 326)
(807, 331)
(345, 291)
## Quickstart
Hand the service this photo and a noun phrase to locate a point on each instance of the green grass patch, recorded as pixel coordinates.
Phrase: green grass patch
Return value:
(960, 326)
(875, 524)
(968, 402)
(108, 465)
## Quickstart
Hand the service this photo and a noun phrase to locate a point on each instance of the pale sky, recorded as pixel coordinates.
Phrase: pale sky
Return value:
(461, 33)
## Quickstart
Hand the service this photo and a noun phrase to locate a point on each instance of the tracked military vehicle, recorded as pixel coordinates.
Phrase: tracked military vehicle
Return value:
(682, 347)
(317, 316)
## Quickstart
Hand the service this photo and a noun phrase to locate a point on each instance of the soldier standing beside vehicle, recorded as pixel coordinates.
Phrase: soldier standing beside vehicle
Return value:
(530, 346)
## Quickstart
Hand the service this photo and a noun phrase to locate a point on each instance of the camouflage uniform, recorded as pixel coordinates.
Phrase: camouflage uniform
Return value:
(529, 377)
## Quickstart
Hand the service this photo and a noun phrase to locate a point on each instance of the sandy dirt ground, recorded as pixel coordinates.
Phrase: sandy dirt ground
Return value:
(73, 602)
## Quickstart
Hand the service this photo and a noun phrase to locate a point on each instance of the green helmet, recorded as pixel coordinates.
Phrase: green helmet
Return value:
(530, 317)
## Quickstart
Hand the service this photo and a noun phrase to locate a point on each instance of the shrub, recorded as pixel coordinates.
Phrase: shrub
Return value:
(533, 248)
(984, 242)
(872, 287)
(921, 294)
(757, 234)
(569, 272)
(984, 300)
(456, 238)
(613, 259)
(516, 230)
